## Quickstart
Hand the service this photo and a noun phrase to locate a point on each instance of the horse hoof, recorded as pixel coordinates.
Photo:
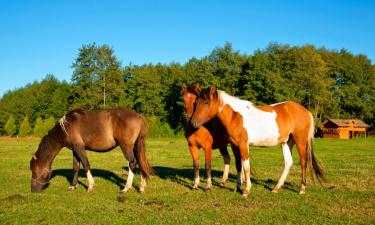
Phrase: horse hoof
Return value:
(141, 191)
(222, 184)
(207, 189)
(245, 194)
(90, 190)
(275, 191)
(302, 192)
(195, 188)
(72, 188)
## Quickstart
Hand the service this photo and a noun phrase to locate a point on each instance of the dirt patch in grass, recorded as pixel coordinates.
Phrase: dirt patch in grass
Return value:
(15, 197)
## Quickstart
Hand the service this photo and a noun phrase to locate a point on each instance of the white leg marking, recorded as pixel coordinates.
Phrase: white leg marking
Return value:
(196, 182)
(225, 174)
(288, 162)
(246, 168)
(129, 181)
(143, 184)
(209, 184)
(243, 179)
(91, 181)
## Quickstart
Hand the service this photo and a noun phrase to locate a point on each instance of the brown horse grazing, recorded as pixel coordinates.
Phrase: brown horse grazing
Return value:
(99, 131)
(285, 123)
(210, 136)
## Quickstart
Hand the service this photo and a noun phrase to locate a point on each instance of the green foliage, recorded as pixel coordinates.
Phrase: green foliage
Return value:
(97, 79)
(38, 128)
(25, 127)
(10, 127)
(157, 128)
(48, 124)
(331, 84)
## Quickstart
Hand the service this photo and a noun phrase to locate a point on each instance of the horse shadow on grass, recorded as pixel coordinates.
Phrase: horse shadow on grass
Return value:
(181, 176)
(104, 174)
(184, 177)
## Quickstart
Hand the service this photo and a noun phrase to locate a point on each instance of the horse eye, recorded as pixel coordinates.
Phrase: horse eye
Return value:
(206, 102)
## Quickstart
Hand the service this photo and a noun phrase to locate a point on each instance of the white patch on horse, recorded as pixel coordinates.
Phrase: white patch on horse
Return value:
(246, 170)
(278, 103)
(91, 181)
(261, 126)
(129, 181)
(288, 162)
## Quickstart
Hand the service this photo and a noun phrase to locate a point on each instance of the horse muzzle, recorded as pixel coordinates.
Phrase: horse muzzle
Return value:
(38, 187)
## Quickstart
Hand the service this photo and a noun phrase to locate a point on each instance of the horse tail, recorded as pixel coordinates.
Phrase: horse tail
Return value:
(140, 151)
(313, 162)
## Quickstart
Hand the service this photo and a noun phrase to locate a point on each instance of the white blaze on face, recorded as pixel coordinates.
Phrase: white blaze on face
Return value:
(261, 126)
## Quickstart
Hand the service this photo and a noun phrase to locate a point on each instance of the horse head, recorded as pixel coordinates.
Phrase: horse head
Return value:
(41, 175)
(206, 106)
(189, 96)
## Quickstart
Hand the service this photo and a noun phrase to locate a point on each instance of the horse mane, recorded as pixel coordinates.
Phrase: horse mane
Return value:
(70, 117)
(192, 89)
(205, 94)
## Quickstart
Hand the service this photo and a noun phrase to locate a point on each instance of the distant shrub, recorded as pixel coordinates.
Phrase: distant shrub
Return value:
(157, 128)
(25, 127)
(10, 126)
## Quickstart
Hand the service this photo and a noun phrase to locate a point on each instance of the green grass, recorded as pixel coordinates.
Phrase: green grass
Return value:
(349, 197)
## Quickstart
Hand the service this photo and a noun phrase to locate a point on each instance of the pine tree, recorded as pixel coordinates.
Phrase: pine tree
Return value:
(10, 127)
(25, 127)
(38, 127)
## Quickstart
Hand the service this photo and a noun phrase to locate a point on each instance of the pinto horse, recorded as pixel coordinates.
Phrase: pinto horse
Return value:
(210, 136)
(287, 123)
(98, 131)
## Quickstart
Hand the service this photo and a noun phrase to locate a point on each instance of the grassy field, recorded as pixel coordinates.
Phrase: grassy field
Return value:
(349, 197)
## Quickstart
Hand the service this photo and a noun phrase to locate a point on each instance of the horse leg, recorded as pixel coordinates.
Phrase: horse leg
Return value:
(226, 157)
(127, 150)
(244, 150)
(208, 158)
(81, 154)
(195, 155)
(74, 183)
(237, 157)
(143, 184)
(288, 162)
(301, 146)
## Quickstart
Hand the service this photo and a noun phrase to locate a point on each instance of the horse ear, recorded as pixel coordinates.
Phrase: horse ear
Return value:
(212, 89)
(197, 87)
(184, 89)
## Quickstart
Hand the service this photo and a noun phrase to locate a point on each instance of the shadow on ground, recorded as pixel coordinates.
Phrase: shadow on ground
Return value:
(182, 176)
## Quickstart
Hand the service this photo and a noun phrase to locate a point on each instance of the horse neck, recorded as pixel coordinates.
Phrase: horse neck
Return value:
(48, 148)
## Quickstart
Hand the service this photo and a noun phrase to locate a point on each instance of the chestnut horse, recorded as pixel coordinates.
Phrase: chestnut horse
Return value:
(287, 123)
(210, 136)
(98, 131)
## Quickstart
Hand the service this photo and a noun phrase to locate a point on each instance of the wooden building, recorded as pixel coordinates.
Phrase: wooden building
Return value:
(344, 128)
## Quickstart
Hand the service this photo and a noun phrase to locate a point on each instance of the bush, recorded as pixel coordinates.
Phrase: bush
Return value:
(42, 127)
(25, 127)
(10, 126)
(38, 127)
(157, 128)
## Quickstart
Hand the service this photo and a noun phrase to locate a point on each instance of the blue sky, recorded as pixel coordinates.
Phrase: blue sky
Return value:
(43, 37)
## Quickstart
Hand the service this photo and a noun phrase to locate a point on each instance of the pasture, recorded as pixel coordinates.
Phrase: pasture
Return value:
(349, 197)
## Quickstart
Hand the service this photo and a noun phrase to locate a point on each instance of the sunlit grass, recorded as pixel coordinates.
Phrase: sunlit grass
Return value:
(348, 197)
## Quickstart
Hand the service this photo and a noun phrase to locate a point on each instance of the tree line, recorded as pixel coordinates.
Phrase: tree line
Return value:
(330, 83)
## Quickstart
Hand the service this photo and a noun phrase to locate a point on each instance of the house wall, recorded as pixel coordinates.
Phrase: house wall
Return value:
(343, 132)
